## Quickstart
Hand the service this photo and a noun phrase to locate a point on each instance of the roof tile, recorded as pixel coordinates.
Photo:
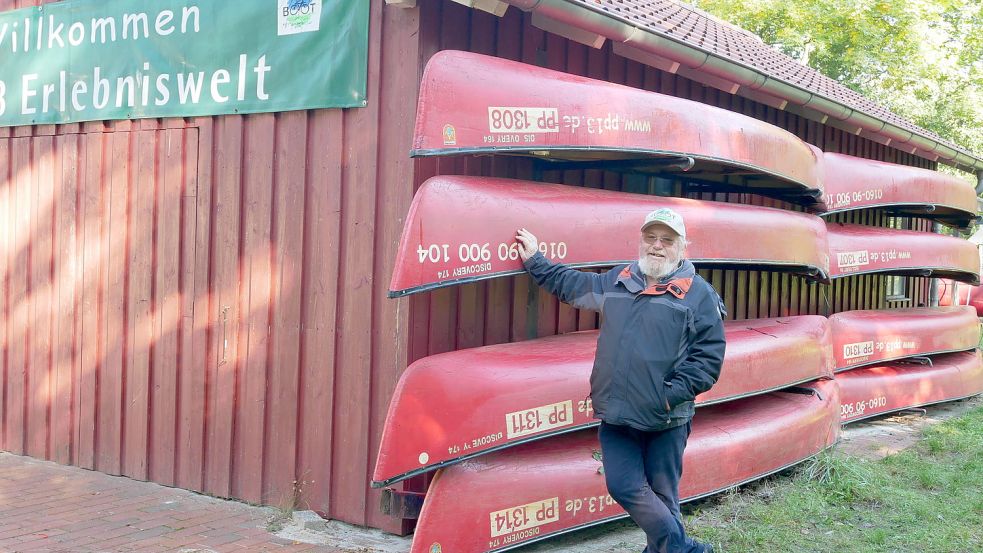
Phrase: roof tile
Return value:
(695, 27)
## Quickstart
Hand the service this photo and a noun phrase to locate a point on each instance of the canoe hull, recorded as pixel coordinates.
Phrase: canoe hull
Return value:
(470, 103)
(855, 183)
(881, 389)
(454, 406)
(875, 336)
(478, 218)
(958, 293)
(546, 488)
(858, 249)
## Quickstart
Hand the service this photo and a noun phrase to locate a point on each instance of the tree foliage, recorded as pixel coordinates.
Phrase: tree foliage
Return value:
(923, 59)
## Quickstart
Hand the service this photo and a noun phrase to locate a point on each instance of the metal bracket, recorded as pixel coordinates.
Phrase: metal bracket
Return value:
(675, 163)
(401, 504)
(802, 390)
(811, 196)
(918, 360)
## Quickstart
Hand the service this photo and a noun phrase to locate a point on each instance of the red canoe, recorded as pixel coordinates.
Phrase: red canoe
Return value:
(858, 249)
(541, 489)
(874, 336)
(498, 396)
(958, 293)
(883, 389)
(857, 183)
(475, 104)
(462, 229)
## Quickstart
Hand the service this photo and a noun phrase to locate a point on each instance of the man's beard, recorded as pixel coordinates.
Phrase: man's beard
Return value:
(658, 268)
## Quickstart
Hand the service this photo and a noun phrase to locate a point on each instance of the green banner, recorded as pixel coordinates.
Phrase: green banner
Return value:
(88, 60)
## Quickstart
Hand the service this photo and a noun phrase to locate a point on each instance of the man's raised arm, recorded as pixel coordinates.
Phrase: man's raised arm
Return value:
(579, 289)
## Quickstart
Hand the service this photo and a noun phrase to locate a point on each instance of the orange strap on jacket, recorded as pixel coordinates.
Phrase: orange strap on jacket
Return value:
(677, 287)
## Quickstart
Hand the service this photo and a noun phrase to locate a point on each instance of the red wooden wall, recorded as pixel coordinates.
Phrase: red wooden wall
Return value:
(202, 302)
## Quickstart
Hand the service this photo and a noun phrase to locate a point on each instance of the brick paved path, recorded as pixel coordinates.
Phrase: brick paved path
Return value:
(50, 507)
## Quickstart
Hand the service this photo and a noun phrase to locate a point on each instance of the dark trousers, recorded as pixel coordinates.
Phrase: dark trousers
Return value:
(642, 470)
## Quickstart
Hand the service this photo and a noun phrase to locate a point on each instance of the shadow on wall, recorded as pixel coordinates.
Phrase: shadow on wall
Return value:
(152, 319)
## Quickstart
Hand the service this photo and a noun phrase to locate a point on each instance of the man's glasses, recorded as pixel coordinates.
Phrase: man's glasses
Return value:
(651, 239)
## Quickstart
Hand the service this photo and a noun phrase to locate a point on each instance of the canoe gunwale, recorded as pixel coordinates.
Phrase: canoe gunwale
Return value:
(919, 271)
(809, 272)
(550, 434)
(681, 500)
(949, 215)
(469, 456)
(804, 194)
(900, 358)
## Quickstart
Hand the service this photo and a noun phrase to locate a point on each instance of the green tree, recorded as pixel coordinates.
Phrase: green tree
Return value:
(923, 59)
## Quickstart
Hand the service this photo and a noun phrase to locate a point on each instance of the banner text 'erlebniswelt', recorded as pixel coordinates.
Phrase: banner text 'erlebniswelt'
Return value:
(81, 60)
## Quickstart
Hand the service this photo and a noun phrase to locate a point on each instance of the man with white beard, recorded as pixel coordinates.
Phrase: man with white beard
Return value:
(661, 344)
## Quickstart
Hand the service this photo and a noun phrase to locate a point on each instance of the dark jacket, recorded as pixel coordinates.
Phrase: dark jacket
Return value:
(658, 346)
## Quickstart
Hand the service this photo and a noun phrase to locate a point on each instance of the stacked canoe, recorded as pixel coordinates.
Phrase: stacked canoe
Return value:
(952, 292)
(512, 429)
(507, 430)
(894, 359)
(852, 183)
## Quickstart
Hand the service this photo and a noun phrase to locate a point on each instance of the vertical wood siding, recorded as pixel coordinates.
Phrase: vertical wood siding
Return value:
(202, 302)
(98, 296)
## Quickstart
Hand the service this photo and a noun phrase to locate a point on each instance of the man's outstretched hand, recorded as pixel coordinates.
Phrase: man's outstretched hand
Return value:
(528, 244)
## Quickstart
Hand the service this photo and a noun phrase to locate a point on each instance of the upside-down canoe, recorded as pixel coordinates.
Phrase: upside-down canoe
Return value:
(475, 104)
(509, 498)
(859, 249)
(958, 293)
(855, 183)
(881, 389)
(462, 229)
(454, 406)
(878, 335)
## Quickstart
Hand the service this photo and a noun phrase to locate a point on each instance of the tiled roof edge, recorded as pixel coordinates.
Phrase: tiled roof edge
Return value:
(588, 21)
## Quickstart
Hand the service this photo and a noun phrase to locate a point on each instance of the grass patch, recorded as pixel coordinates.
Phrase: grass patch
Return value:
(928, 499)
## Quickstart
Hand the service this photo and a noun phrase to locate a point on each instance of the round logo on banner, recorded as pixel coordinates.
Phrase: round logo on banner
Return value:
(435, 548)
